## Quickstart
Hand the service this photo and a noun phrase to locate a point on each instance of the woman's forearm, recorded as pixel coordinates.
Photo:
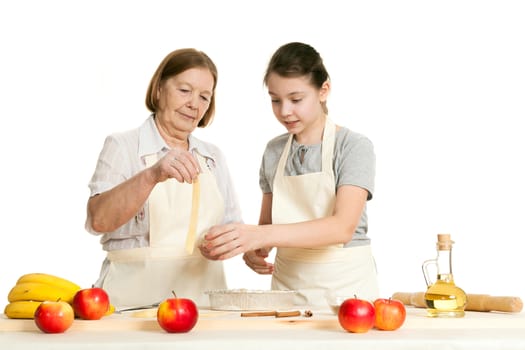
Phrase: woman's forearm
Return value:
(110, 210)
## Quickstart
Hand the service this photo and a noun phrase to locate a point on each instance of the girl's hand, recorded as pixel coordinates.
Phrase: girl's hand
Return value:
(226, 241)
(256, 260)
(206, 252)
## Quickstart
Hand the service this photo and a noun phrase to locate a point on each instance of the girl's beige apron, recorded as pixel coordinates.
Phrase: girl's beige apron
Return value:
(313, 271)
(142, 276)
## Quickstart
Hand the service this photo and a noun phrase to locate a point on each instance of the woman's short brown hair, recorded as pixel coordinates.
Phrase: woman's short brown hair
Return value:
(175, 63)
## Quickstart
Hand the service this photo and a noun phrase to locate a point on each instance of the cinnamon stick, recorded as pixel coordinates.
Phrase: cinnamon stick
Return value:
(288, 313)
(258, 313)
(271, 313)
(475, 302)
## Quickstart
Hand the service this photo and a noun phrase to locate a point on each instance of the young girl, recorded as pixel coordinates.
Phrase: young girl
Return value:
(316, 180)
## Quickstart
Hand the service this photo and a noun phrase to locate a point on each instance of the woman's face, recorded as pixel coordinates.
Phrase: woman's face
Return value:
(184, 98)
(296, 103)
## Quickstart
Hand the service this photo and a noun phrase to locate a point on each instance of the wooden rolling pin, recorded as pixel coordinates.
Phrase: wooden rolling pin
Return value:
(475, 302)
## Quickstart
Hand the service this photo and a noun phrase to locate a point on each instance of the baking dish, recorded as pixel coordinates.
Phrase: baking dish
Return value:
(250, 300)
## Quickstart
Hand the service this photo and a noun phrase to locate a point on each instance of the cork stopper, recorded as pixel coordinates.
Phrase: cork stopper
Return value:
(444, 242)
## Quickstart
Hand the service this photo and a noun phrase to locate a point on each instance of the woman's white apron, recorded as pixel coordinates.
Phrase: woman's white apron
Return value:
(142, 276)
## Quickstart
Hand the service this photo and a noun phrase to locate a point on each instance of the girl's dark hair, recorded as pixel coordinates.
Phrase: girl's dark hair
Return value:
(175, 63)
(297, 59)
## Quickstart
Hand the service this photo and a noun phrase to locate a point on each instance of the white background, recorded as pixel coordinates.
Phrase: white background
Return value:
(439, 87)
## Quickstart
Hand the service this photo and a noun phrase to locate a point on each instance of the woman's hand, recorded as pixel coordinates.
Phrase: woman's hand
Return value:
(256, 260)
(178, 164)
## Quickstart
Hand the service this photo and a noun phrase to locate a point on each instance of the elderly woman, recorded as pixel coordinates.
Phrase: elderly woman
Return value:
(157, 188)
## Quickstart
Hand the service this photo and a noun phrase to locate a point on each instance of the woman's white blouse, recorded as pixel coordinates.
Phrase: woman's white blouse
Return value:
(123, 156)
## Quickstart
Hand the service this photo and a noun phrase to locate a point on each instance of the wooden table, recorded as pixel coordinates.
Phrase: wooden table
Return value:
(227, 330)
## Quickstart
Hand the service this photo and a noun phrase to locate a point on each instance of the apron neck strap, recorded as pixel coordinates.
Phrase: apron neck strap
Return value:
(327, 148)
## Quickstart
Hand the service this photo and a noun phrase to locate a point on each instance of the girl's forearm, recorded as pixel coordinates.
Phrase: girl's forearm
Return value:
(314, 233)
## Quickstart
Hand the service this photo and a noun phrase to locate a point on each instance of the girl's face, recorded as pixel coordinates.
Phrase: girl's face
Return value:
(296, 103)
(184, 98)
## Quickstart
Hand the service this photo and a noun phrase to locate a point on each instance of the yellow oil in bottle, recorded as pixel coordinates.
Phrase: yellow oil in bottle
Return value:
(443, 298)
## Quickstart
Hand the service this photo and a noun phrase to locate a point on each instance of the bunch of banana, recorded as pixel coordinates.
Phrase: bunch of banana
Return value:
(21, 309)
(33, 288)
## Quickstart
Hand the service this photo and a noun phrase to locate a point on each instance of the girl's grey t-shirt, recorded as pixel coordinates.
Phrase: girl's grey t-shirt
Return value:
(353, 164)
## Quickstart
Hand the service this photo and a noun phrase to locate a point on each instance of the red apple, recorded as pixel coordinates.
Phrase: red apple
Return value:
(177, 315)
(54, 316)
(356, 315)
(390, 314)
(91, 303)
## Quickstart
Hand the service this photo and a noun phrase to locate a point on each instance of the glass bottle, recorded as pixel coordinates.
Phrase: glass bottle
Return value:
(443, 297)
